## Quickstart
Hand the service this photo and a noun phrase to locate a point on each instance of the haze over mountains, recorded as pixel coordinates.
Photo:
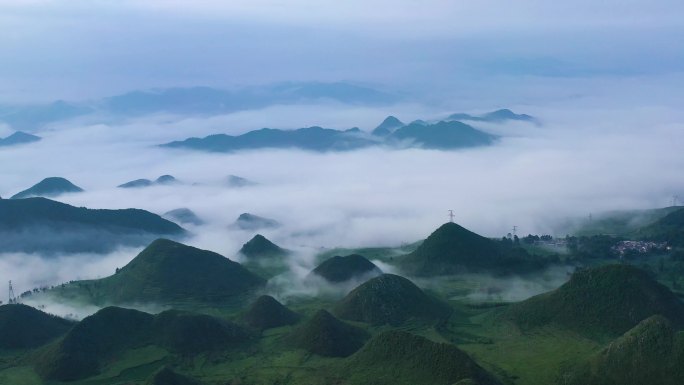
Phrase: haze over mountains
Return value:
(347, 193)
(48, 187)
(163, 180)
(191, 101)
(17, 138)
(218, 307)
(40, 225)
(167, 272)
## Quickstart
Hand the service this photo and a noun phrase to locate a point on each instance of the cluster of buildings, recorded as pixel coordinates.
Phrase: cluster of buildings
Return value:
(638, 247)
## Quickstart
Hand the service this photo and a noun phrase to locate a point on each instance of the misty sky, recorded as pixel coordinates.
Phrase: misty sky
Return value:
(78, 49)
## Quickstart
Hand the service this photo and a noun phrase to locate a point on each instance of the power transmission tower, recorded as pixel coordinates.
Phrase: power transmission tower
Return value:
(675, 200)
(515, 230)
(451, 216)
(12, 297)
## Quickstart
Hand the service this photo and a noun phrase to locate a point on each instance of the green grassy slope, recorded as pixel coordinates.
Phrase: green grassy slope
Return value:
(24, 327)
(327, 336)
(601, 301)
(266, 313)
(452, 249)
(103, 335)
(166, 376)
(340, 269)
(102, 338)
(669, 228)
(260, 247)
(650, 353)
(389, 299)
(396, 357)
(169, 272)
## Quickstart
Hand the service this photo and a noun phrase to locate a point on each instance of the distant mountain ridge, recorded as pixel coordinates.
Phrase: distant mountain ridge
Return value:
(48, 187)
(388, 126)
(247, 221)
(46, 226)
(309, 138)
(669, 228)
(184, 215)
(161, 181)
(497, 116)
(260, 247)
(441, 135)
(204, 101)
(18, 137)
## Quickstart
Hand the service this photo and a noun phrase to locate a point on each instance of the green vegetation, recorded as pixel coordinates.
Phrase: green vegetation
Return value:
(341, 269)
(16, 214)
(669, 228)
(599, 302)
(166, 376)
(650, 353)
(397, 357)
(325, 335)
(94, 342)
(389, 299)
(452, 249)
(385, 254)
(264, 257)
(48, 187)
(605, 326)
(592, 247)
(260, 247)
(623, 223)
(24, 327)
(530, 358)
(189, 333)
(129, 347)
(83, 351)
(167, 272)
(266, 313)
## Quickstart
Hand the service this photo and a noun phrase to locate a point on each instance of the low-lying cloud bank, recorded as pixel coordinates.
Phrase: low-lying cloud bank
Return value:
(581, 160)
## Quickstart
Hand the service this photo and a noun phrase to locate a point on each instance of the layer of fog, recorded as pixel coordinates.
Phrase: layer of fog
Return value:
(590, 155)
(486, 288)
(33, 271)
